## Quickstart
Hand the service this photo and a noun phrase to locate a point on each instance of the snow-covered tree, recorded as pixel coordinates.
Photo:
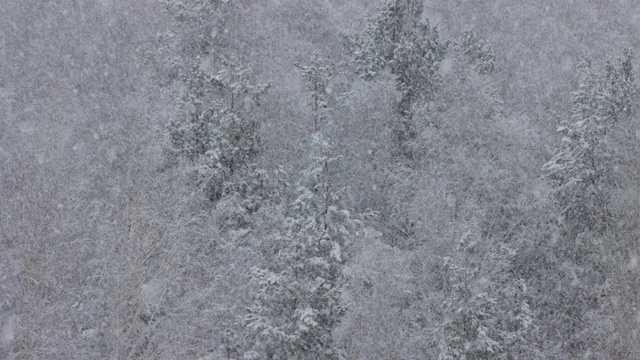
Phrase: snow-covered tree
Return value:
(581, 167)
(219, 137)
(477, 52)
(201, 29)
(296, 303)
(398, 41)
(317, 76)
(584, 175)
(486, 311)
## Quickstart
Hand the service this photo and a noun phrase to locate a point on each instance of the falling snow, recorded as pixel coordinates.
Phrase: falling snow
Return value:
(388, 179)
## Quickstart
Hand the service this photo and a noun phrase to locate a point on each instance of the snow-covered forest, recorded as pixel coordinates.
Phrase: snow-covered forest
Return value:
(331, 179)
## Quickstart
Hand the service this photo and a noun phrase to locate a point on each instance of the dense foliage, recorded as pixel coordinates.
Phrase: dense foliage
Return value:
(398, 179)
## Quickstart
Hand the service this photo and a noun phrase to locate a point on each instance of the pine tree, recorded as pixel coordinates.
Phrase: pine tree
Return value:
(477, 52)
(398, 41)
(297, 301)
(317, 75)
(486, 312)
(220, 134)
(581, 168)
(201, 30)
(582, 174)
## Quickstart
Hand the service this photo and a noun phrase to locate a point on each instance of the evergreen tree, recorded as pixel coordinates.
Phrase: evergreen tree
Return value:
(477, 52)
(398, 41)
(581, 168)
(297, 301)
(582, 174)
(220, 134)
(317, 75)
(200, 30)
(486, 311)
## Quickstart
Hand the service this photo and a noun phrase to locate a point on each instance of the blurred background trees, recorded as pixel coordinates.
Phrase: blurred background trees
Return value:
(164, 196)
